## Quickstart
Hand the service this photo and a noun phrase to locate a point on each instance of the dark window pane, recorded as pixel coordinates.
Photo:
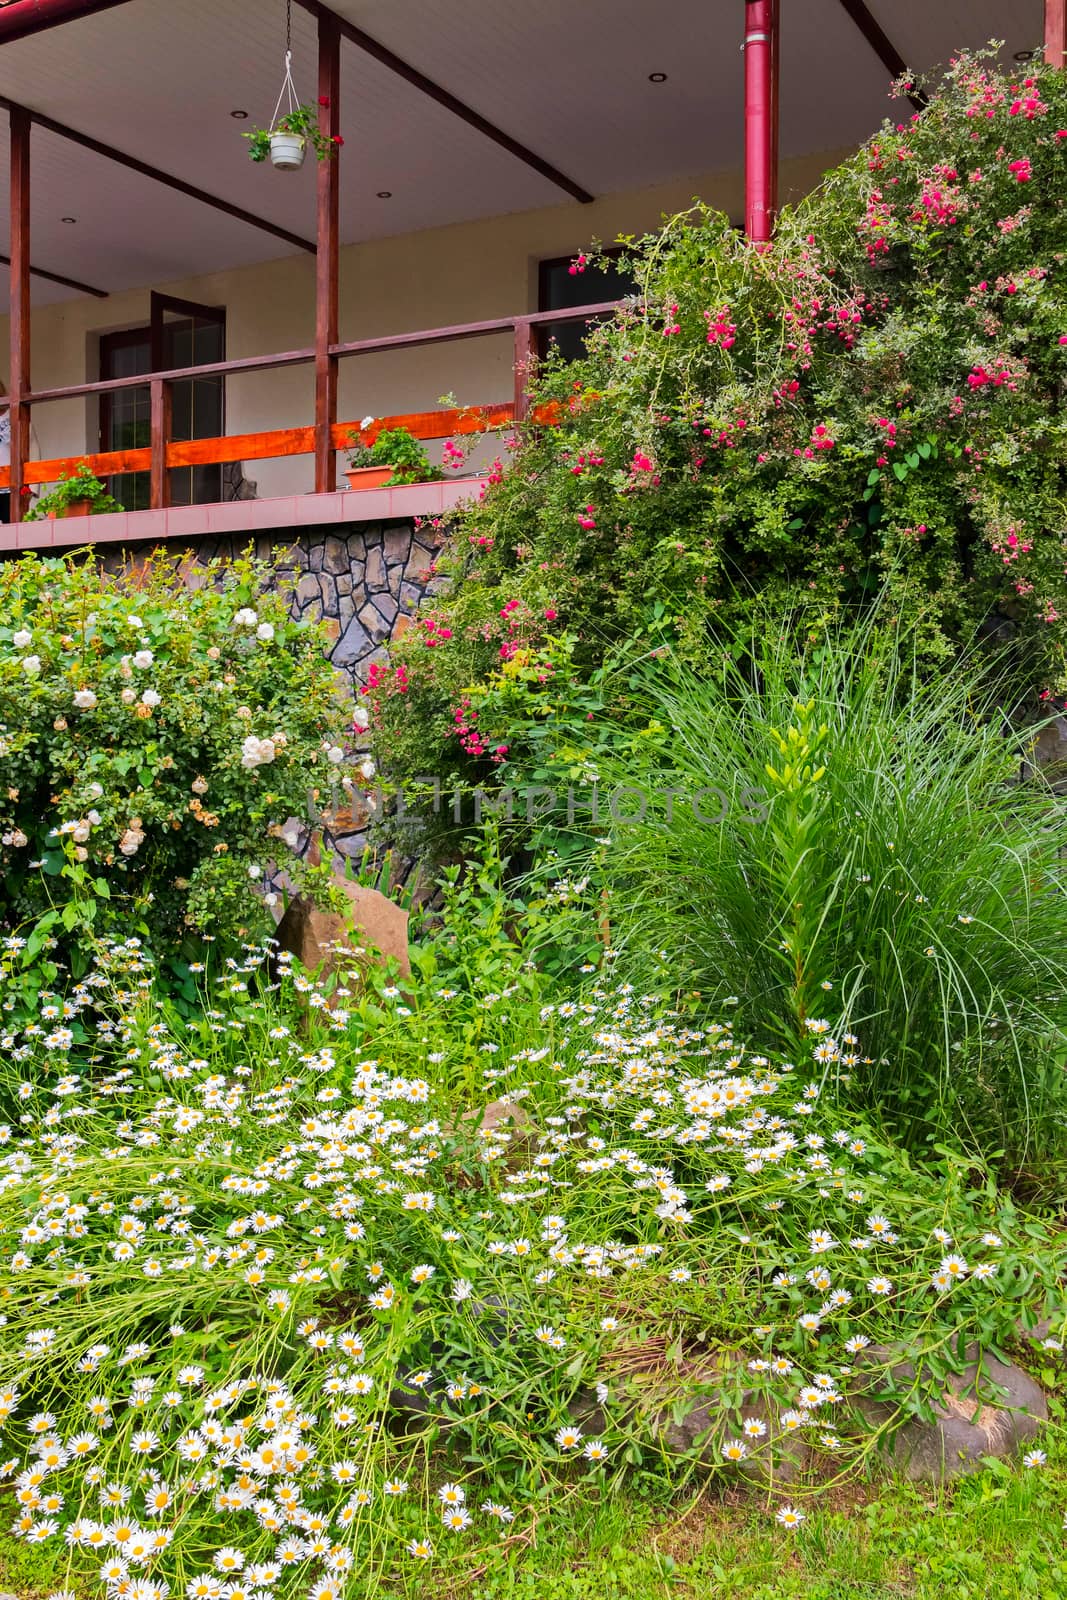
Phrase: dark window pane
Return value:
(559, 289)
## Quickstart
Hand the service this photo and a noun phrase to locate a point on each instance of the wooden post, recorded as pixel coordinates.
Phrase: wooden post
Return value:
(1056, 33)
(159, 490)
(19, 276)
(327, 320)
(525, 365)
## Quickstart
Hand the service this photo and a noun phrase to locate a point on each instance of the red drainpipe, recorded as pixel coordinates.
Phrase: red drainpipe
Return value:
(22, 17)
(1056, 33)
(761, 118)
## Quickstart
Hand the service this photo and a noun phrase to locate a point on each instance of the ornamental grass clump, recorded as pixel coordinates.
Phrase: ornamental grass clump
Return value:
(154, 737)
(849, 830)
(872, 403)
(277, 1317)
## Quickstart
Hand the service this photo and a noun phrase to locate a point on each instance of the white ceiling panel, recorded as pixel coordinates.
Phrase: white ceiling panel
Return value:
(928, 34)
(567, 78)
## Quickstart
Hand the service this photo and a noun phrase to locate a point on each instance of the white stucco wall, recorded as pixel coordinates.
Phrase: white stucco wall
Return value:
(462, 273)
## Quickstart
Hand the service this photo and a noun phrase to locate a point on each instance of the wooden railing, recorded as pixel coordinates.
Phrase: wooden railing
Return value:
(163, 452)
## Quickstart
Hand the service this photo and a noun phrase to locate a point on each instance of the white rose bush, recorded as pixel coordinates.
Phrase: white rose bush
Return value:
(153, 740)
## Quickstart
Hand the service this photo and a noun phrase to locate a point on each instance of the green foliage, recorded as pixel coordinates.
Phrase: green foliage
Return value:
(74, 488)
(269, 1260)
(397, 448)
(849, 837)
(303, 121)
(872, 405)
(154, 737)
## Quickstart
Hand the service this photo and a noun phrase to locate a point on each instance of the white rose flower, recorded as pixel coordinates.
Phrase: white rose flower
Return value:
(151, 697)
(31, 665)
(128, 696)
(135, 622)
(270, 899)
(367, 769)
(257, 752)
(81, 831)
(368, 422)
(255, 873)
(96, 791)
(131, 841)
(361, 717)
(84, 699)
(143, 658)
(16, 837)
(21, 639)
(265, 632)
(93, 817)
(245, 618)
(335, 754)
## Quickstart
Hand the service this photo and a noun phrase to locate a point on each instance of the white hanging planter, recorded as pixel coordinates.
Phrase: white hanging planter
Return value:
(287, 151)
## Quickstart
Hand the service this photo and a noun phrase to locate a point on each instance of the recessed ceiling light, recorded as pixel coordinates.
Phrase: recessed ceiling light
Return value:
(385, 194)
(1024, 55)
(68, 219)
(657, 77)
(240, 115)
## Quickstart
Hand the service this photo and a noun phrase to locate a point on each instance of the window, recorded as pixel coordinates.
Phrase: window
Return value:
(180, 334)
(559, 289)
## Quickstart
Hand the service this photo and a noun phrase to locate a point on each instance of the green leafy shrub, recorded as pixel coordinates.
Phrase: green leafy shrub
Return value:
(873, 403)
(397, 448)
(153, 738)
(836, 832)
(73, 488)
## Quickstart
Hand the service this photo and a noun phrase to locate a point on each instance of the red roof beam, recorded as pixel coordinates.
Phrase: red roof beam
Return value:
(20, 18)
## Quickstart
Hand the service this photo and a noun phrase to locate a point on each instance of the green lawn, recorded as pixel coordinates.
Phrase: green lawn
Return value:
(996, 1536)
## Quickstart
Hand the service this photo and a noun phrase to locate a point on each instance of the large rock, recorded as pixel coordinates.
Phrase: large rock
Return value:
(988, 1409)
(373, 928)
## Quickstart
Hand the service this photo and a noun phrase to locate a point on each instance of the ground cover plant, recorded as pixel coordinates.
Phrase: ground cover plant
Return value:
(817, 812)
(279, 1318)
(872, 404)
(154, 737)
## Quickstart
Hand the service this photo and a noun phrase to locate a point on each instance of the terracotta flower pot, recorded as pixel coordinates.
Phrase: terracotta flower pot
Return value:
(368, 477)
(76, 508)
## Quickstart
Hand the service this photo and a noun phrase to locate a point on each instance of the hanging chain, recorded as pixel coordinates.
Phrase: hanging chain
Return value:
(288, 86)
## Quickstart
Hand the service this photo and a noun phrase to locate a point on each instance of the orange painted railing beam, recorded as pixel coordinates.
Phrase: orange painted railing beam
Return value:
(266, 446)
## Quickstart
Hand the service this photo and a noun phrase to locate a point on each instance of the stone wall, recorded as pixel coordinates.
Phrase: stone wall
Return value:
(364, 581)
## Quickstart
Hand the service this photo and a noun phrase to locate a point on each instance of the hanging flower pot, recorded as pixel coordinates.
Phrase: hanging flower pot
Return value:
(291, 131)
(287, 151)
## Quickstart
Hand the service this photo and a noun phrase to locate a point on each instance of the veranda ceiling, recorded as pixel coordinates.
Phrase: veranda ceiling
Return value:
(567, 78)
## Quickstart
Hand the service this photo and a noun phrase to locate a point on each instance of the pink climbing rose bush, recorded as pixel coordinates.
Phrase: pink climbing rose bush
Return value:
(875, 403)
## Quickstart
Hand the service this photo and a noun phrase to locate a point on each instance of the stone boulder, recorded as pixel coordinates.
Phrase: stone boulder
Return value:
(988, 1409)
(373, 928)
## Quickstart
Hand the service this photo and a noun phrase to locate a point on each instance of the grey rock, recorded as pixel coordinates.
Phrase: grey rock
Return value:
(701, 1426)
(375, 624)
(307, 589)
(988, 1409)
(351, 844)
(387, 607)
(335, 554)
(376, 575)
(315, 558)
(344, 582)
(329, 597)
(352, 646)
(397, 544)
(345, 609)
(410, 596)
